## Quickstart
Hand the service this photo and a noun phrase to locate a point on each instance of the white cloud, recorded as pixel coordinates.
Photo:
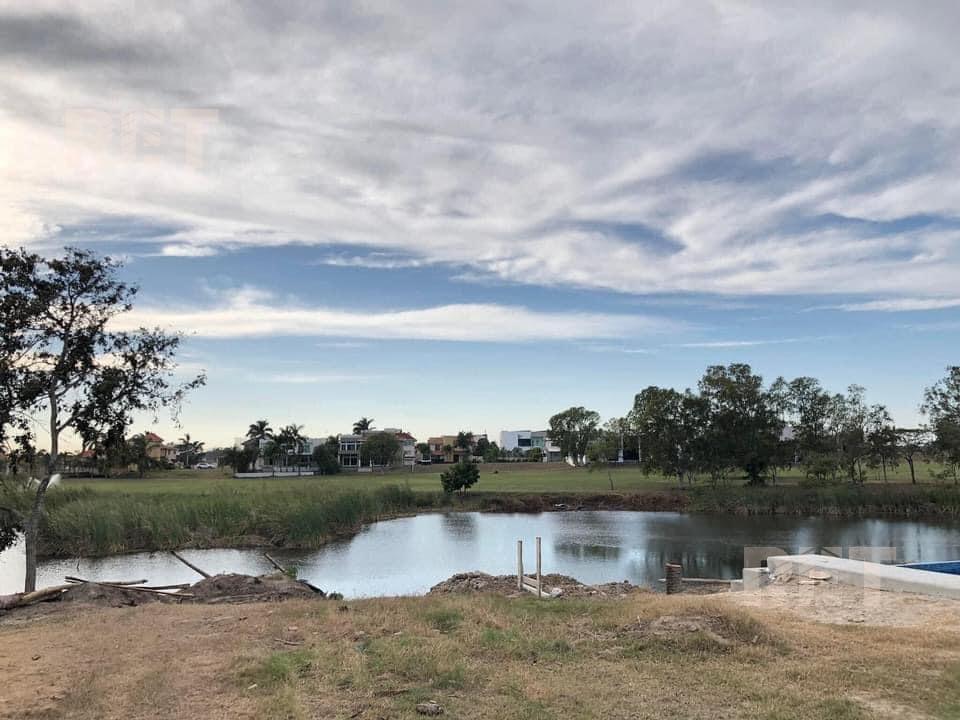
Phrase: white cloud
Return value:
(184, 250)
(312, 378)
(344, 345)
(709, 146)
(744, 343)
(898, 305)
(250, 312)
(373, 261)
(617, 349)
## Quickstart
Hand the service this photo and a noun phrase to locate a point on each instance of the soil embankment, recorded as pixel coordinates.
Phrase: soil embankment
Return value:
(474, 654)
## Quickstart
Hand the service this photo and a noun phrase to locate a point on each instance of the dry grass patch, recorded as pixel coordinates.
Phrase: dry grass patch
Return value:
(478, 656)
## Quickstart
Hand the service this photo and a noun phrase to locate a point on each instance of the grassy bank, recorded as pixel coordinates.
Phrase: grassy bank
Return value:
(86, 522)
(478, 657)
(100, 517)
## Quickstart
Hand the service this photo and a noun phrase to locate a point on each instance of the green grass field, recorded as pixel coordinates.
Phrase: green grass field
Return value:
(493, 479)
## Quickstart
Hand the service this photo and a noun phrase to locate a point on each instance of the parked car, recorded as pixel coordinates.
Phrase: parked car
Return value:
(204, 466)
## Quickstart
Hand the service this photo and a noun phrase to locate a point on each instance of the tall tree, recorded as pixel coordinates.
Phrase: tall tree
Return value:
(671, 430)
(941, 403)
(465, 440)
(325, 459)
(138, 453)
(882, 439)
(381, 449)
(362, 425)
(424, 450)
(573, 430)
(744, 425)
(67, 364)
(911, 444)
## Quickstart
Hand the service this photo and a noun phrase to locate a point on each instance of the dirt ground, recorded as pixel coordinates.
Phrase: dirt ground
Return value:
(837, 604)
(785, 653)
(506, 585)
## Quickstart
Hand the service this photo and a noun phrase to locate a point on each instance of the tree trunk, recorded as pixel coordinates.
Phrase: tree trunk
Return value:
(913, 476)
(32, 525)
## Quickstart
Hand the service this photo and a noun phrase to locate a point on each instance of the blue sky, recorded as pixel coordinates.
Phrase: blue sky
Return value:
(470, 218)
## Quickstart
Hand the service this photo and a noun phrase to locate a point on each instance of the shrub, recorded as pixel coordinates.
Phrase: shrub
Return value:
(459, 478)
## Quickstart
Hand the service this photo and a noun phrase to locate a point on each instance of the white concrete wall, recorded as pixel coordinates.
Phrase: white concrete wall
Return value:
(868, 574)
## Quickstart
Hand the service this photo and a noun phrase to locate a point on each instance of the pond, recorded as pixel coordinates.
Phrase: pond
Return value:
(408, 555)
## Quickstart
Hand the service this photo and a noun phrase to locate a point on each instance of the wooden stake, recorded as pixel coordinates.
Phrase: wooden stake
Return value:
(539, 578)
(673, 573)
(519, 564)
(189, 564)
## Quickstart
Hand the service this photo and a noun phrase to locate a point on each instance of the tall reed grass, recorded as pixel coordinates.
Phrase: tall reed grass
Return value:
(843, 500)
(84, 522)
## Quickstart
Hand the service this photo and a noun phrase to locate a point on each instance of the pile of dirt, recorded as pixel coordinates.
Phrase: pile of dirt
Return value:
(718, 632)
(478, 582)
(233, 587)
(110, 596)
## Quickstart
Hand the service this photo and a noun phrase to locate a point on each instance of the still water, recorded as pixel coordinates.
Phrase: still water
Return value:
(409, 555)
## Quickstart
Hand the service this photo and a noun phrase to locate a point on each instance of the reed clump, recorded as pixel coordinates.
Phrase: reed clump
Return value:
(83, 522)
(841, 500)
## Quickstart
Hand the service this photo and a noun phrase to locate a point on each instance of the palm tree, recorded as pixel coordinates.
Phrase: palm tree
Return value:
(260, 431)
(290, 437)
(362, 425)
(189, 448)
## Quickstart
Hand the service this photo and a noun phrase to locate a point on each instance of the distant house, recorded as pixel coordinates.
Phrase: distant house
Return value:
(157, 449)
(526, 440)
(444, 449)
(351, 445)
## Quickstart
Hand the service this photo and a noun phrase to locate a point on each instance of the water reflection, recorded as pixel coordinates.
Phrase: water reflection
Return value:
(408, 555)
(461, 525)
(584, 550)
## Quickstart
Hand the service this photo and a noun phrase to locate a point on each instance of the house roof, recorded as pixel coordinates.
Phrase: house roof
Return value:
(152, 437)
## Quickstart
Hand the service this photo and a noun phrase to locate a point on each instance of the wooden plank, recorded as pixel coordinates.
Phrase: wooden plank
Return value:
(189, 564)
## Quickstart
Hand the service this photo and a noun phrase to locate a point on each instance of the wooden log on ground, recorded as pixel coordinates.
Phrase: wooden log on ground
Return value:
(8, 602)
(277, 565)
(72, 579)
(153, 591)
(284, 570)
(189, 564)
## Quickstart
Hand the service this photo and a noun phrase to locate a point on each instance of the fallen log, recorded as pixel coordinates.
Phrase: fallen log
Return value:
(72, 579)
(134, 588)
(282, 569)
(8, 602)
(277, 565)
(189, 564)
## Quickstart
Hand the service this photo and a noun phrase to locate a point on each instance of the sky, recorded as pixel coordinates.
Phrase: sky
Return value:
(468, 216)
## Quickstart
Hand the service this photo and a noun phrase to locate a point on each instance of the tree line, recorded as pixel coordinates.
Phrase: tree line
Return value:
(733, 425)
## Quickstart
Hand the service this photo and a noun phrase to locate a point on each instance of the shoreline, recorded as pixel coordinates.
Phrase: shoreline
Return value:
(890, 502)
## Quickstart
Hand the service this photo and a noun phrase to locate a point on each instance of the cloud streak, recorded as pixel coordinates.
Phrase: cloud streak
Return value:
(250, 312)
(897, 305)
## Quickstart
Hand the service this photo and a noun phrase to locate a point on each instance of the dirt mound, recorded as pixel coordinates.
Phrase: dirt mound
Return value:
(233, 587)
(699, 633)
(110, 596)
(478, 582)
